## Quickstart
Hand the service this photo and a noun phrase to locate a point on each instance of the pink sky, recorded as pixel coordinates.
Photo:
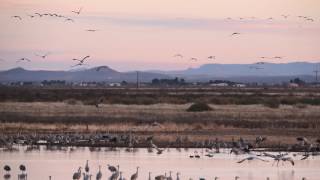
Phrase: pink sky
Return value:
(144, 34)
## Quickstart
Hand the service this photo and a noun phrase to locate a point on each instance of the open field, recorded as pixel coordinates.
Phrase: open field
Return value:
(277, 113)
(223, 122)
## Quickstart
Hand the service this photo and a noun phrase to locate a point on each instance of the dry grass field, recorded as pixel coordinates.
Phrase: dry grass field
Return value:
(166, 121)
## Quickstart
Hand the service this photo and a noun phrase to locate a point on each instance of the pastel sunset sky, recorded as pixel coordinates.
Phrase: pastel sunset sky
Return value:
(146, 34)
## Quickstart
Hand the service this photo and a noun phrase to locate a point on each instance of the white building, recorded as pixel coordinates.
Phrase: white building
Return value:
(219, 85)
(240, 85)
(115, 84)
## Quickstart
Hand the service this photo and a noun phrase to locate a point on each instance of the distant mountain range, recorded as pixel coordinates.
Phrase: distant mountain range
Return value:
(263, 73)
(104, 74)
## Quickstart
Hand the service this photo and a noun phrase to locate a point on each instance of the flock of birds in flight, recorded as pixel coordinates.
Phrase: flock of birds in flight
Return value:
(82, 61)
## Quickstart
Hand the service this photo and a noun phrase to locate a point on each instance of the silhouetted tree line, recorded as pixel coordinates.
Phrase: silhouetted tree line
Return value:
(298, 81)
(175, 81)
(53, 82)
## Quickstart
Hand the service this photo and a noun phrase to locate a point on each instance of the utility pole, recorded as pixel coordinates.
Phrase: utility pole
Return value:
(138, 83)
(316, 72)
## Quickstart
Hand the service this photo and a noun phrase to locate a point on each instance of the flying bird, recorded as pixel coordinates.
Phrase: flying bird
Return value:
(42, 56)
(79, 64)
(212, 57)
(31, 16)
(309, 19)
(235, 33)
(69, 19)
(252, 158)
(40, 15)
(91, 30)
(24, 59)
(194, 59)
(285, 16)
(277, 57)
(178, 55)
(81, 60)
(77, 12)
(17, 17)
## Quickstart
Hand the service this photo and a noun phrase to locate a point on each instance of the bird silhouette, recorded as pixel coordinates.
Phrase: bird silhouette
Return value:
(212, 57)
(92, 30)
(86, 168)
(77, 12)
(235, 33)
(17, 17)
(69, 19)
(40, 15)
(81, 60)
(24, 59)
(42, 56)
(135, 175)
(99, 174)
(250, 158)
(178, 55)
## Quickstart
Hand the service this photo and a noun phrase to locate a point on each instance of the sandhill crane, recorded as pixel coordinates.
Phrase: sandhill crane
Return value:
(17, 17)
(22, 168)
(251, 158)
(114, 176)
(69, 19)
(81, 60)
(112, 168)
(91, 30)
(7, 174)
(86, 176)
(170, 176)
(289, 159)
(160, 177)
(235, 33)
(178, 174)
(159, 151)
(212, 57)
(135, 175)
(260, 139)
(149, 177)
(121, 178)
(99, 174)
(42, 56)
(178, 55)
(86, 168)
(22, 176)
(77, 12)
(7, 168)
(24, 59)
(77, 175)
(280, 157)
(40, 15)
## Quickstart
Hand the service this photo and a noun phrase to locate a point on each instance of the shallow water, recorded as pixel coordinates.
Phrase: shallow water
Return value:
(62, 164)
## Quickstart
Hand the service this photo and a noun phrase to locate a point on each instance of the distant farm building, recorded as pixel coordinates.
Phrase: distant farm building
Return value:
(219, 84)
(114, 84)
(240, 85)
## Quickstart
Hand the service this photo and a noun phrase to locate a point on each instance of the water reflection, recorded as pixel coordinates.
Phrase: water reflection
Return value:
(62, 162)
